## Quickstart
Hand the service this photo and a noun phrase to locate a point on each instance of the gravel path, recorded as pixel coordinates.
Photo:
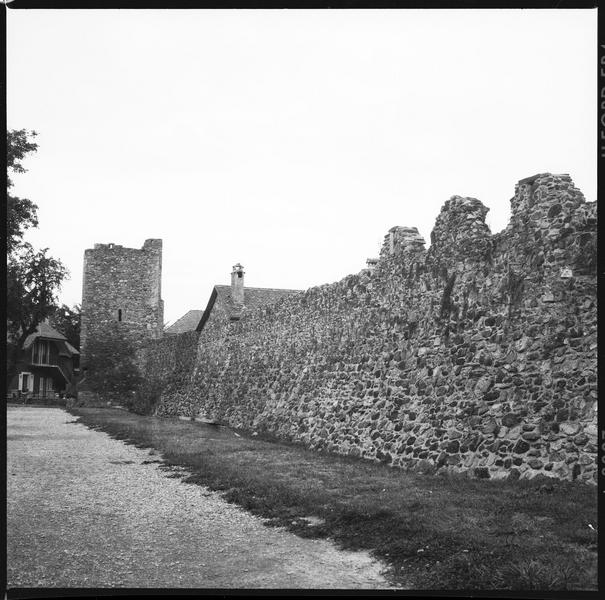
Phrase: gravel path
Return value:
(83, 511)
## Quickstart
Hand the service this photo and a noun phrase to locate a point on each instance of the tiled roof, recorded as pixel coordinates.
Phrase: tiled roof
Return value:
(44, 331)
(253, 297)
(188, 322)
(66, 349)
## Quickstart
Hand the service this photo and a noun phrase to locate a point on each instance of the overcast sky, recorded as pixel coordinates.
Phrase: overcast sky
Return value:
(289, 141)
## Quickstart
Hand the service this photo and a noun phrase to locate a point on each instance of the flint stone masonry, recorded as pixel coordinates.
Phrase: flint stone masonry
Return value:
(473, 356)
(122, 285)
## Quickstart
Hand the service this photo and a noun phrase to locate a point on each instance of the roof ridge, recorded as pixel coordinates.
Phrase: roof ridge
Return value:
(220, 285)
(273, 289)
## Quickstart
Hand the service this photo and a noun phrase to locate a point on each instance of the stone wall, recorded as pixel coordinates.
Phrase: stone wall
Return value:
(169, 361)
(478, 354)
(122, 285)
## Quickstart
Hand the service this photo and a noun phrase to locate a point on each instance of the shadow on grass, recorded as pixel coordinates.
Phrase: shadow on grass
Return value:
(434, 532)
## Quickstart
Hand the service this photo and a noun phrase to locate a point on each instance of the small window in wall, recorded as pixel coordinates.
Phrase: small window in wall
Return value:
(119, 314)
(25, 382)
(41, 352)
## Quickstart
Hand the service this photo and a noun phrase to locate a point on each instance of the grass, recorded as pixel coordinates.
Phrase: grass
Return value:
(434, 532)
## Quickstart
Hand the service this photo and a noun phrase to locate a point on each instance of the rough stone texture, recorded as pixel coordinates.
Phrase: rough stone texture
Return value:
(169, 361)
(125, 279)
(478, 355)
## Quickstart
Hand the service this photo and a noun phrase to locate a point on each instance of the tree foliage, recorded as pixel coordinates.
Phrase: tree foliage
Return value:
(66, 320)
(21, 213)
(111, 368)
(33, 281)
(33, 278)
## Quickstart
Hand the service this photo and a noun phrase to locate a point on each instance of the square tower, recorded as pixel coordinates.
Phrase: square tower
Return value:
(122, 286)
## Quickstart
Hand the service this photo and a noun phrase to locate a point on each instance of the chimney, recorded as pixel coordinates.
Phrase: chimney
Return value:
(371, 263)
(237, 285)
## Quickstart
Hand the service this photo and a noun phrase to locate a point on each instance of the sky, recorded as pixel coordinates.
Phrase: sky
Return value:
(289, 141)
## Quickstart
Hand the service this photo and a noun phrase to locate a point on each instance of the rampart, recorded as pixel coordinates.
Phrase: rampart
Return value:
(477, 355)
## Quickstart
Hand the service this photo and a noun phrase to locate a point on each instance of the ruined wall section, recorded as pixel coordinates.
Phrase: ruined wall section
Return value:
(126, 280)
(476, 355)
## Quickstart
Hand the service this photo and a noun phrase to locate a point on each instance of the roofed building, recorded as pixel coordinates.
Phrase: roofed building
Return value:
(232, 302)
(47, 364)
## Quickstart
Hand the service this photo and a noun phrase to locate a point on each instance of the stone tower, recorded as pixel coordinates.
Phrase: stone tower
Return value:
(122, 285)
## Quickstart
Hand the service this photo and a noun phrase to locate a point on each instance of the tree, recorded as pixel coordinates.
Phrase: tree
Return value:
(21, 213)
(32, 282)
(33, 278)
(112, 371)
(66, 320)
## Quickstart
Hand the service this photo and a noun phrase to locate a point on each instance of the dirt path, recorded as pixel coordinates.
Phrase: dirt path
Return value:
(83, 511)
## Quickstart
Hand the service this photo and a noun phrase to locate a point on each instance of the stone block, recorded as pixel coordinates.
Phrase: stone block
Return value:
(569, 428)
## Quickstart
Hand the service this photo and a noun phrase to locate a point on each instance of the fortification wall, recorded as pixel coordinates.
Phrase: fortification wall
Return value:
(122, 285)
(477, 355)
(168, 362)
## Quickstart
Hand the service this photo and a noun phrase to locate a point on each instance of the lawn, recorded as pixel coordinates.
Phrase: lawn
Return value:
(435, 532)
